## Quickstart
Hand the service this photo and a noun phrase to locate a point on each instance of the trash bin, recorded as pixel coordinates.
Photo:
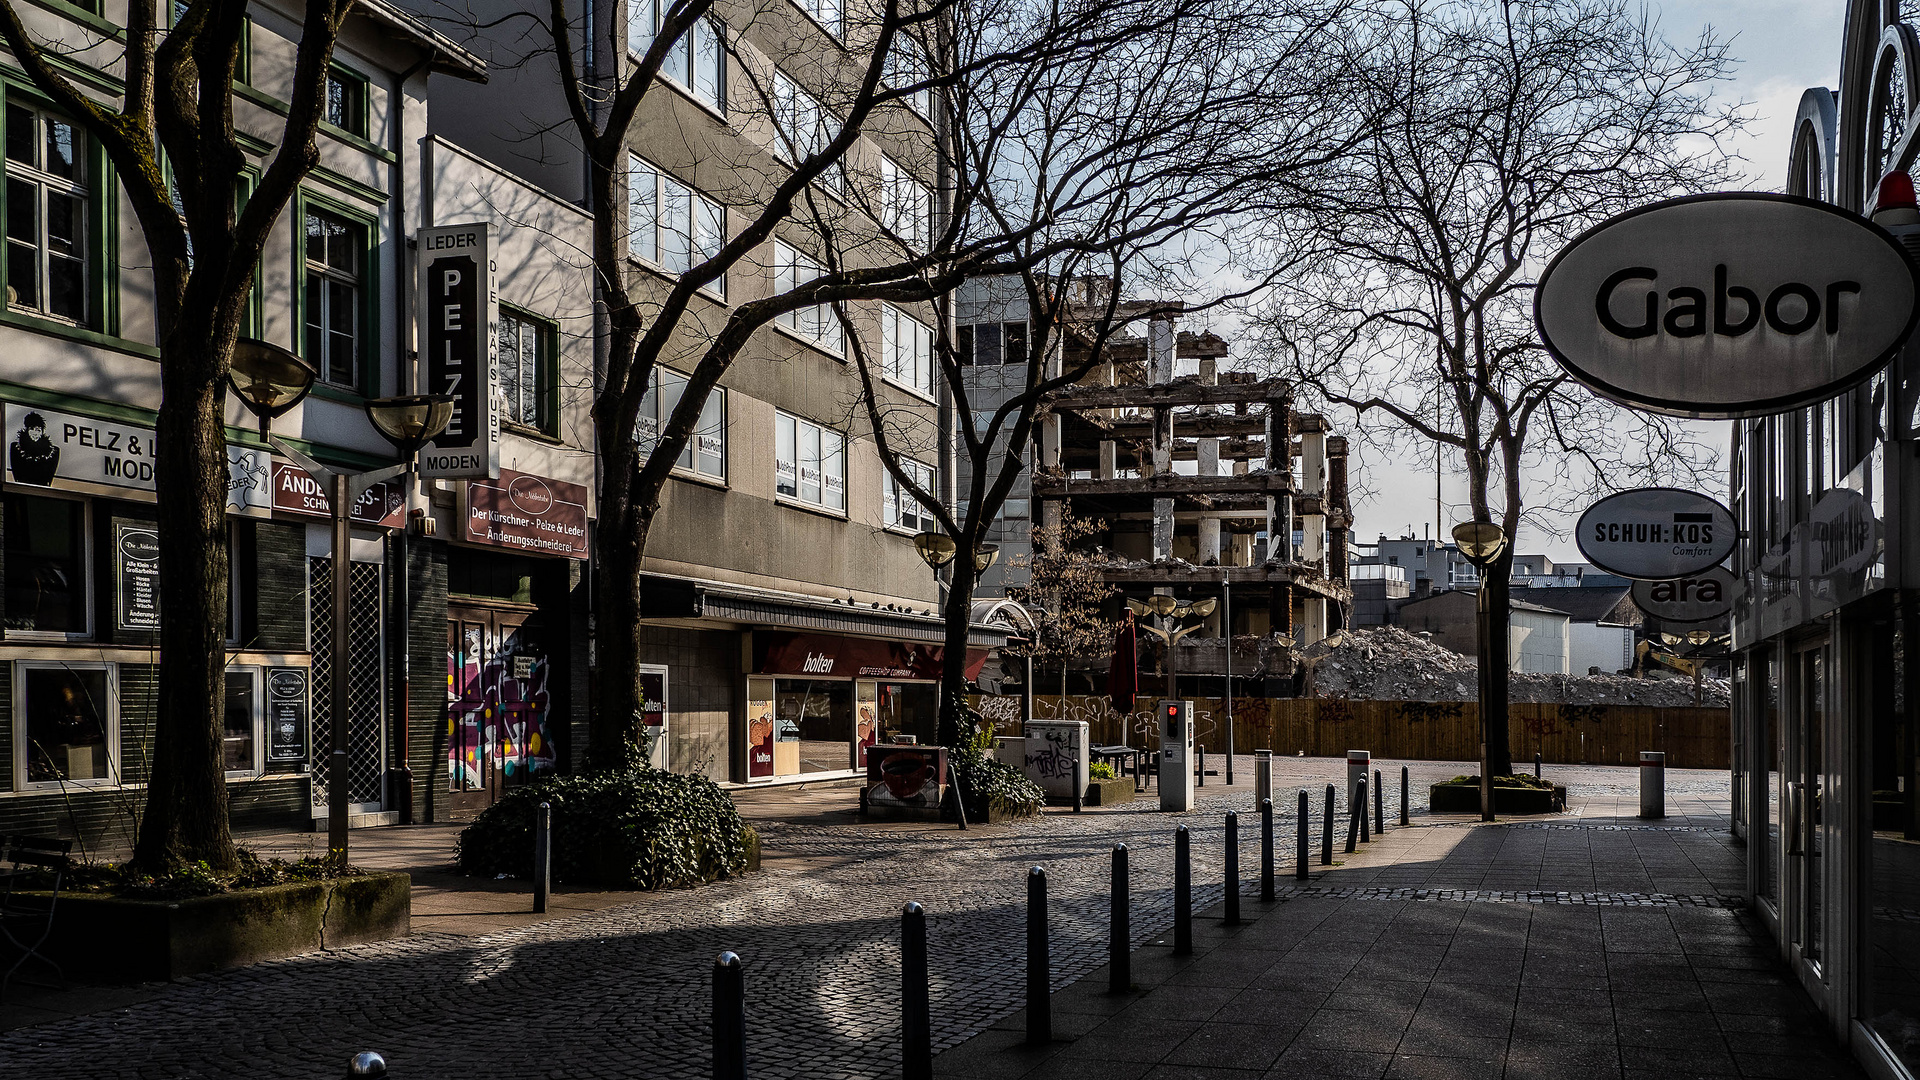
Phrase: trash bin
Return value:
(1262, 778)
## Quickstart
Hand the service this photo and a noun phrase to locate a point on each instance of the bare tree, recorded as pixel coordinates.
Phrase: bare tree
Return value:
(1112, 181)
(1508, 129)
(177, 106)
(1067, 591)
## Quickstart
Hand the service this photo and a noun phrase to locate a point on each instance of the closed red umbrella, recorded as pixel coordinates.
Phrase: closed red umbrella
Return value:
(1123, 674)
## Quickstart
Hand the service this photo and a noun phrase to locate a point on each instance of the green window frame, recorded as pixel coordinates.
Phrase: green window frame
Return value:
(347, 102)
(354, 376)
(527, 371)
(59, 225)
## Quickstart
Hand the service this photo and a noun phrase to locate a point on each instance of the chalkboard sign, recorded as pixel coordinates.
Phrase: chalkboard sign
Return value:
(136, 564)
(286, 714)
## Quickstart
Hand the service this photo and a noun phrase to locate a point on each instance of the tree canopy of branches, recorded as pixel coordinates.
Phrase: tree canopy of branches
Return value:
(177, 106)
(1506, 129)
(1067, 592)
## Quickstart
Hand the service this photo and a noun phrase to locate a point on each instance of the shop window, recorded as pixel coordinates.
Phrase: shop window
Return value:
(906, 350)
(903, 511)
(46, 560)
(670, 225)
(818, 324)
(706, 451)
(335, 265)
(810, 463)
(525, 365)
(48, 210)
(988, 344)
(697, 62)
(69, 729)
(347, 102)
(240, 740)
(813, 726)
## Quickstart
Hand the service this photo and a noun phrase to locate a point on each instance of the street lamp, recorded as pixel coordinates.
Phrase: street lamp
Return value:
(937, 549)
(1170, 612)
(409, 422)
(984, 556)
(1481, 542)
(268, 379)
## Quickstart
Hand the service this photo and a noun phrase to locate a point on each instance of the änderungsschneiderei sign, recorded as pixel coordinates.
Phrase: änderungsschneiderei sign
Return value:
(1727, 306)
(1656, 533)
(458, 310)
(1698, 598)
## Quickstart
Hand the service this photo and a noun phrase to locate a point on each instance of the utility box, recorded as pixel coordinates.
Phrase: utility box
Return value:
(1653, 784)
(1262, 778)
(1358, 762)
(1176, 755)
(1056, 757)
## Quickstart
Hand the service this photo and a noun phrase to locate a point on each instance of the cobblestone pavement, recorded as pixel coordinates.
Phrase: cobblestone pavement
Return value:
(623, 992)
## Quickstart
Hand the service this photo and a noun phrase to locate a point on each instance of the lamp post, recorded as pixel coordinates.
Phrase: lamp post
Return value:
(1481, 543)
(268, 379)
(408, 422)
(1170, 612)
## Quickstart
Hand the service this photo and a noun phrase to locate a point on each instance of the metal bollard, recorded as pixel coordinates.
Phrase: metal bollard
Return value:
(366, 1063)
(1536, 765)
(1233, 869)
(1300, 840)
(959, 798)
(1119, 927)
(1039, 995)
(1653, 784)
(1379, 805)
(916, 1017)
(1404, 812)
(1262, 776)
(1326, 831)
(1361, 806)
(1356, 816)
(729, 1018)
(1182, 894)
(542, 858)
(1266, 850)
(1200, 763)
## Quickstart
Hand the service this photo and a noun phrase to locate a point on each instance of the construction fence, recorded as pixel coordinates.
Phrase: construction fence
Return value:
(1562, 734)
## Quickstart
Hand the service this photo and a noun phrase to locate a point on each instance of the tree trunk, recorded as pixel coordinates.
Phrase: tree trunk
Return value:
(185, 819)
(613, 727)
(953, 664)
(1496, 579)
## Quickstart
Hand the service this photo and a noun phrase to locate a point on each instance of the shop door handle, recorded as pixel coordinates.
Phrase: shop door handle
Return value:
(1795, 846)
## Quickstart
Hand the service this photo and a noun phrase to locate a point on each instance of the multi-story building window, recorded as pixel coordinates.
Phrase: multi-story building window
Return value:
(698, 62)
(347, 102)
(805, 128)
(706, 452)
(47, 214)
(817, 323)
(830, 14)
(525, 346)
(906, 206)
(903, 510)
(993, 343)
(671, 225)
(336, 262)
(906, 349)
(906, 64)
(810, 463)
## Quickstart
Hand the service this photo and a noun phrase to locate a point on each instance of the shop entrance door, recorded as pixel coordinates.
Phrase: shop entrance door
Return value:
(1811, 817)
(497, 702)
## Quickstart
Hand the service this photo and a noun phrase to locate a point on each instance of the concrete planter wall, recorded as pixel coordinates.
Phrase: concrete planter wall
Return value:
(1108, 792)
(124, 940)
(1465, 799)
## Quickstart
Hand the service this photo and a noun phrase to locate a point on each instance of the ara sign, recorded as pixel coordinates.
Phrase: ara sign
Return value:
(1704, 596)
(1656, 533)
(1727, 306)
(458, 309)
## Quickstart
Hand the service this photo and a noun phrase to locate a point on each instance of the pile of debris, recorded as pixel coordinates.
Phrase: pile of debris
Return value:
(1389, 664)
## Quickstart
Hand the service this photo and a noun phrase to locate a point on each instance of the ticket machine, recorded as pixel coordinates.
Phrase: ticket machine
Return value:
(1176, 755)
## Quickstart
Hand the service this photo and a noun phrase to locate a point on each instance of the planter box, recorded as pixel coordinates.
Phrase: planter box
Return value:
(993, 811)
(124, 940)
(1109, 792)
(1465, 799)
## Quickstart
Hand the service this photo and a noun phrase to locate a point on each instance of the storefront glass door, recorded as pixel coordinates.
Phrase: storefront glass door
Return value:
(1808, 842)
(497, 702)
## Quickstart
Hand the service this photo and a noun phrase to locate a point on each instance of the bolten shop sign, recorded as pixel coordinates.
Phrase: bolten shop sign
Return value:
(1727, 306)
(1656, 533)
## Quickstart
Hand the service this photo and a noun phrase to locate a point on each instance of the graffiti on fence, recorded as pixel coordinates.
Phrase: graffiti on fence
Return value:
(996, 710)
(1430, 711)
(1335, 710)
(1577, 714)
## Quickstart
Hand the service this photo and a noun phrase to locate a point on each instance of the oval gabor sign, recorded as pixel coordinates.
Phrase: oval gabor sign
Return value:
(1656, 533)
(1727, 306)
(1707, 595)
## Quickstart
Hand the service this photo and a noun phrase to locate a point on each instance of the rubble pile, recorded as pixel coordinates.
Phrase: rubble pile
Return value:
(1389, 664)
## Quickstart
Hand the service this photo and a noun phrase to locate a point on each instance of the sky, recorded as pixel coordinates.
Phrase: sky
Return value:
(1783, 48)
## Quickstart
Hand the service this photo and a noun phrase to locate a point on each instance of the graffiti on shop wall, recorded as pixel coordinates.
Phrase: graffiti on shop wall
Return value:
(497, 704)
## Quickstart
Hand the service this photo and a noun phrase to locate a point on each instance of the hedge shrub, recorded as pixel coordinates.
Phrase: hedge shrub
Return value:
(987, 781)
(646, 829)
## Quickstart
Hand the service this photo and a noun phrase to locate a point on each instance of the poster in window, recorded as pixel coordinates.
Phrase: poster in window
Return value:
(760, 737)
(136, 575)
(459, 311)
(286, 715)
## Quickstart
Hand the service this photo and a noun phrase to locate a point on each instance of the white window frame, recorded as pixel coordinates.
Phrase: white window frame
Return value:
(906, 351)
(906, 64)
(538, 329)
(830, 14)
(906, 205)
(112, 718)
(893, 497)
(691, 227)
(86, 566)
(797, 432)
(816, 324)
(44, 182)
(802, 127)
(656, 408)
(703, 44)
(259, 765)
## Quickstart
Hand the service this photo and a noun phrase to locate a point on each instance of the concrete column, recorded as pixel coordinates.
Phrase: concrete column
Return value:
(1313, 481)
(1162, 529)
(1280, 462)
(1313, 620)
(1209, 541)
(1160, 343)
(1109, 459)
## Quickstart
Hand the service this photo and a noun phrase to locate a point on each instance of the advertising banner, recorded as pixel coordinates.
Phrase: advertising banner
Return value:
(136, 575)
(458, 311)
(297, 492)
(528, 513)
(47, 448)
(286, 714)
